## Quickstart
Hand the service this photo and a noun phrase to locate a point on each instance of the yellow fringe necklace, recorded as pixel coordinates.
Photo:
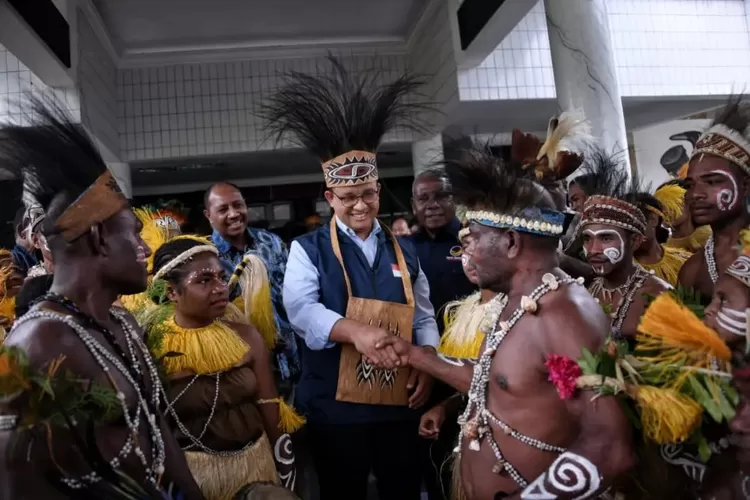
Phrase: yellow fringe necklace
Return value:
(668, 268)
(210, 349)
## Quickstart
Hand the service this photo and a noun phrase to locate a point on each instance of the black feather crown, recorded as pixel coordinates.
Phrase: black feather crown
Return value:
(341, 118)
(729, 135)
(53, 155)
(614, 195)
(499, 195)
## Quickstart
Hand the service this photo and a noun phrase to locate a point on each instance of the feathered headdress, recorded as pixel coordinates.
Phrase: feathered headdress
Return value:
(499, 196)
(616, 200)
(561, 154)
(341, 118)
(729, 135)
(62, 170)
(153, 233)
(672, 198)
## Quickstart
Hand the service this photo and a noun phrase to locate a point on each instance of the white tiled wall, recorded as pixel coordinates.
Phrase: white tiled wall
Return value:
(664, 47)
(97, 81)
(199, 109)
(15, 79)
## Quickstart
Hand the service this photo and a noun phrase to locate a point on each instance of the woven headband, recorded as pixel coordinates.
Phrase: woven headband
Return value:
(611, 211)
(722, 141)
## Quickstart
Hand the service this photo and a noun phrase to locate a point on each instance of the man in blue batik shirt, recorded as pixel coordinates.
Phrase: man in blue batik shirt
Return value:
(226, 210)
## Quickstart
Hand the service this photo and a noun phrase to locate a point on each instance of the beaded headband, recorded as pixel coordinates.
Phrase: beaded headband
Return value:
(99, 202)
(740, 270)
(611, 211)
(184, 257)
(722, 141)
(532, 220)
(351, 169)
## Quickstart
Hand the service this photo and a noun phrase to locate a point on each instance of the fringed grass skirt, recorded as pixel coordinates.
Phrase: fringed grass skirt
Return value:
(220, 478)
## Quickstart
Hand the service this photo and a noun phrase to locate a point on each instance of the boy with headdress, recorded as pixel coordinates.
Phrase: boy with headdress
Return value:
(93, 237)
(351, 283)
(717, 187)
(509, 446)
(612, 227)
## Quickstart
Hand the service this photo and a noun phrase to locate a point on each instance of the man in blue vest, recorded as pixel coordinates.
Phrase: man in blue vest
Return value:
(350, 284)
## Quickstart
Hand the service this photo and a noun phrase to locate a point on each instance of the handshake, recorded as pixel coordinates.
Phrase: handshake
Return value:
(381, 348)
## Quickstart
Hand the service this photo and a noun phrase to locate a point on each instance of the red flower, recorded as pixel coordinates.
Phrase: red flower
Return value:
(563, 372)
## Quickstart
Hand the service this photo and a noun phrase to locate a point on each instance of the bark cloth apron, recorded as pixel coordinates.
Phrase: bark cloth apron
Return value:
(359, 381)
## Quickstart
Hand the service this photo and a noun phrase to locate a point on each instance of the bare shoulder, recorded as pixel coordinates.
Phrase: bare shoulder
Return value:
(248, 333)
(571, 319)
(691, 269)
(46, 339)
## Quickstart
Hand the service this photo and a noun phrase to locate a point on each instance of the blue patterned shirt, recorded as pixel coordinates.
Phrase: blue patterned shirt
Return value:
(271, 249)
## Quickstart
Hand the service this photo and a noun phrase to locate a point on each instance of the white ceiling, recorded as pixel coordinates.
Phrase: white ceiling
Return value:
(139, 27)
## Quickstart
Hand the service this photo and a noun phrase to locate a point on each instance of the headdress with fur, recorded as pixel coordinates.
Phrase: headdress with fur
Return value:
(500, 196)
(342, 118)
(561, 153)
(62, 170)
(616, 202)
(729, 135)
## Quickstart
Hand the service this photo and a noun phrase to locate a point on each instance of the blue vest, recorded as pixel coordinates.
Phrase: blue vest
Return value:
(315, 394)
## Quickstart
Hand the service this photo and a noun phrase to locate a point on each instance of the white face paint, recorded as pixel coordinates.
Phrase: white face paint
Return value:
(613, 254)
(726, 199)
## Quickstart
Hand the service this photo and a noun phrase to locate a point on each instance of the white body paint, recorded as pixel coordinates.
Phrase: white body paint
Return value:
(726, 199)
(569, 475)
(733, 321)
(613, 254)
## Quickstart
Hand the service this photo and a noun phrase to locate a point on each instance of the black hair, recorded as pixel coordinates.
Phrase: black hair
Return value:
(735, 115)
(483, 181)
(646, 200)
(336, 112)
(32, 289)
(170, 251)
(434, 172)
(607, 174)
(586, 182)
(207, 194)
(54, 156)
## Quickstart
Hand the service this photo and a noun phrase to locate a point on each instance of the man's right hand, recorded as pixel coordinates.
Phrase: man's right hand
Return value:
(366, 340)
(398, 346)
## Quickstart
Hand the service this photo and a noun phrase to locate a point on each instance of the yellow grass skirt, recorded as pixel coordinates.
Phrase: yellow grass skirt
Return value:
(220, 478)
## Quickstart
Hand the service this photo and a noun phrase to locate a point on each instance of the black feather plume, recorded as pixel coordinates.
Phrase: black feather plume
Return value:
(53, 155)
(480, 180)
(337, 112)
(735, 115)
(606, 174)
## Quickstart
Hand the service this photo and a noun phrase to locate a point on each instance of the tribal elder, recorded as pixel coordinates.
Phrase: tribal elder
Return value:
(509, 446)
(93, 236)
(352, 283)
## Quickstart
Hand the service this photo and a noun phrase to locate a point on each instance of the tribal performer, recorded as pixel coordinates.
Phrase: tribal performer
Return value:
(352, 283)
(717, 187)
(10, 285)
(509, 447)
(654, 255)
(230, 420)
(93, 237)
(612, 227)
(685, 235)
(467, 323)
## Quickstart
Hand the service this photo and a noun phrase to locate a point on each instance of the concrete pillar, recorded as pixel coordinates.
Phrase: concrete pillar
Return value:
(584, 67)
(426, 152)
(121, 173)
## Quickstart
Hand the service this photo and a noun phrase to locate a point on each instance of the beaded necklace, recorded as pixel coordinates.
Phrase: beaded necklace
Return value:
(627, 295)
(710, 254)
(104, 358)
(478, 427)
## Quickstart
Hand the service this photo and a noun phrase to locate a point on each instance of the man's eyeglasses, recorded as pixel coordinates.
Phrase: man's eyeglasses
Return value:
(349, 200)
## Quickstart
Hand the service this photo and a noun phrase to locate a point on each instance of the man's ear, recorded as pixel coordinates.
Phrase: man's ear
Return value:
(97, 239)
(328, 196)
(513, 241)
(205, 214)
(636, 240)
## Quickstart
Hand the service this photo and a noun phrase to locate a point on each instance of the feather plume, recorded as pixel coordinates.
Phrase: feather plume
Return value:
(152, 233)
(567, 136)
(337, 111)
(54, 156)
(735, 116)
(672, 198)
(482, 181)
(606, 174)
